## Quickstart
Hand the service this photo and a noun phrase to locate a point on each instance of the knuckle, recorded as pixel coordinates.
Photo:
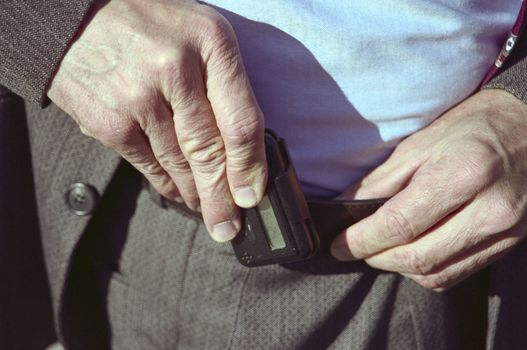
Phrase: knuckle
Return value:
(437, 281)
(128, 103)
(175, 164)
(245, 148)
(481, 167)
(219, 43)
(244, 128)
(473, 175)
(180, 81)
(205, 154)
(192, 198)
(165, 59)
(397, 225)
(217, 201)
(115, 132)
(168, 190)
(164, 186)
(214, 27)
(146, 166)
(134, 98)
(505, 217)
(415, 263)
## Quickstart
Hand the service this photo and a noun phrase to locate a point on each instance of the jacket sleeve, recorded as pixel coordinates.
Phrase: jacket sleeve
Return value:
(34, 36)
(512, 76)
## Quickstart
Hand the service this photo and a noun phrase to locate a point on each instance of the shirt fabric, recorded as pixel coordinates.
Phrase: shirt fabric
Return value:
(343, 82)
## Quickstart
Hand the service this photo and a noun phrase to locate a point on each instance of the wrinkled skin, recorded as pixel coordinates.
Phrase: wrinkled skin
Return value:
(459, 197)
(162, 83)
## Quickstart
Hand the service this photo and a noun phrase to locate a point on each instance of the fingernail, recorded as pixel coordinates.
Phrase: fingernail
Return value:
(198, 208)
(224, 231)
(340, 251)
(245, 197)
(178, 199)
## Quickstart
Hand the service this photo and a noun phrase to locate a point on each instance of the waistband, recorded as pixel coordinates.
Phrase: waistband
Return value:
(330, 216)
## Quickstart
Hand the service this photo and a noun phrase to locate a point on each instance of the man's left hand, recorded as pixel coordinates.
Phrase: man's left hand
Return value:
(458, 193)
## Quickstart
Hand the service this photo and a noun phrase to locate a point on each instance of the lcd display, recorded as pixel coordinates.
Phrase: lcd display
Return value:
(270, 224)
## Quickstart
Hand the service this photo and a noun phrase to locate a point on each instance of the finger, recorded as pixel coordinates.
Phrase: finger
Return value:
(423, 203)
(466, 265)
(162, 136)
(202, 146)
(396, 172)
(454, 236)
(424, 255)
(386, 180)
(240, 122)
(133, 145)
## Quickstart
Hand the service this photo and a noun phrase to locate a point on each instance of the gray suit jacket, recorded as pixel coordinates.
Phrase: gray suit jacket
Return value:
(133, 275)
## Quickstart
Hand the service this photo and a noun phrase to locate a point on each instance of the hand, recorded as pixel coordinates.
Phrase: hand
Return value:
(459, 192)
(163, 84)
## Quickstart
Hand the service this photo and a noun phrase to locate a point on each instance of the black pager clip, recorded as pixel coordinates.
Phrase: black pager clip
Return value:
(279, 230)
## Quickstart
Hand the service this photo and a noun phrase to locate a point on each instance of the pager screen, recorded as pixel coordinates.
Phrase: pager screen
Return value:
(271, 226)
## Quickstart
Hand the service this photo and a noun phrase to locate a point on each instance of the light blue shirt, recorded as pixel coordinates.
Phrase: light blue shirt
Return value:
(344, 81)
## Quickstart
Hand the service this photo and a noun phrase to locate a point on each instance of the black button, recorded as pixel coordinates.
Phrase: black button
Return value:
(82, 199)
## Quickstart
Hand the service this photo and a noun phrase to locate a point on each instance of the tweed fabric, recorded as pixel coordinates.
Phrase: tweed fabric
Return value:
(507, 302)
(25, 302)
(508, 284)
(164, 284)
(61, 156)
(34, 36)
(135, 276)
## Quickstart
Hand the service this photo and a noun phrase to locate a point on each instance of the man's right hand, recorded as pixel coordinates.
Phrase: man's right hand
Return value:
(162, 83)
